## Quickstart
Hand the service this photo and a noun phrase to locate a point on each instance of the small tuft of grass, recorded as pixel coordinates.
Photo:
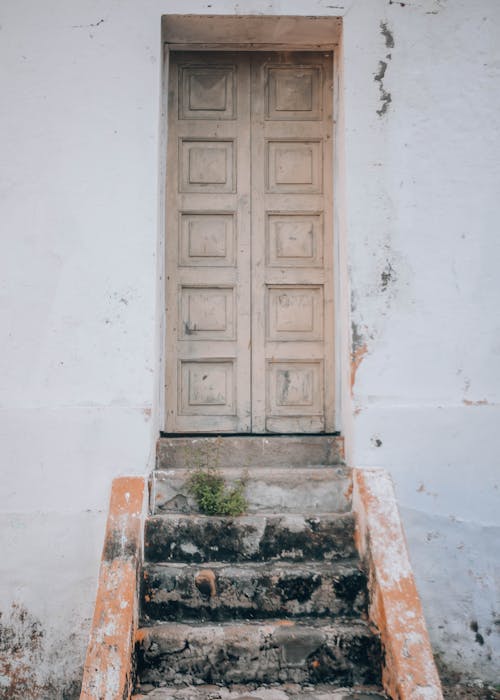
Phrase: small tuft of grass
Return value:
(213, 496)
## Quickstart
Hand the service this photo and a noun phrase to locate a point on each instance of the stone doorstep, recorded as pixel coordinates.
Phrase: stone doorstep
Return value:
(280, 651)
(250, 451)
(256, 590)
(290, 537)
(325, 489)
(284, 692)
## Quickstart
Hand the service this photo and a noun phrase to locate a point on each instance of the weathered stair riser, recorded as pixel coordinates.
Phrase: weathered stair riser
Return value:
(344, 654)
(255, 591)
(188, 538)
(270, 452)
(287, 598)
(269, 490)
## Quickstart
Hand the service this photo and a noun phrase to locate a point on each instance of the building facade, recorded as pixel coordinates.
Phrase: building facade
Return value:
(413, 341)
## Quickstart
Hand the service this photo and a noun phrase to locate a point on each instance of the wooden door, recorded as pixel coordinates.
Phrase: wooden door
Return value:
(249, 243)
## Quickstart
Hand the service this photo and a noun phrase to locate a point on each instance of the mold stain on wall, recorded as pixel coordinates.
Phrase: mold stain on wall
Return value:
(24, 665)
(21, 646)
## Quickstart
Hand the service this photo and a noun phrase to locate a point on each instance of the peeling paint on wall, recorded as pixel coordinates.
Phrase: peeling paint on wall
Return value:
(359, 349)
(468, 630)
(387, 276)
(385, 96)
(387, 34)
(21, 644)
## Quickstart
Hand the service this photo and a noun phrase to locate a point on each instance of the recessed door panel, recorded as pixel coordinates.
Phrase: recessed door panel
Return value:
(207, 92)
(294, 239)
(293, 92)
(207, 166)
(207, 239)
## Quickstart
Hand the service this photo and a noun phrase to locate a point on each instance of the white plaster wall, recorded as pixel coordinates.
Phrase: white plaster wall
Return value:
(79, 297)
(422, 184)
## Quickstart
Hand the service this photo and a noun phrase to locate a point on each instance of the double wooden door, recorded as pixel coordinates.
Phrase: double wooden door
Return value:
(249, 286)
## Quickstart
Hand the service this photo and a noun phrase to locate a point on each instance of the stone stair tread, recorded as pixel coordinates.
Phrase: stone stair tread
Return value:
(273, 692)
(342, 566)
(197, 538)
(326, 488)
(286, 623)
(325, 515)
(254, 590)
(262, 471)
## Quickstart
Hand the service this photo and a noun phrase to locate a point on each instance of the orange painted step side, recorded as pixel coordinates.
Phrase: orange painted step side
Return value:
(108, 664)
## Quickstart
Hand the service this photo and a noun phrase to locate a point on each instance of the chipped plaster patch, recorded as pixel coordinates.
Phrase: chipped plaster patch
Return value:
(379, 76)
(385, 96)
(387, 34)
(388, 276)
(359, 349)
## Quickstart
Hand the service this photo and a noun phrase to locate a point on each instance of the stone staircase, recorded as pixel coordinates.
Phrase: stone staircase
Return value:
(269, 605)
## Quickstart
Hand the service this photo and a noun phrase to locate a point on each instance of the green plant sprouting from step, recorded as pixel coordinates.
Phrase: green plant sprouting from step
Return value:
(208, 486)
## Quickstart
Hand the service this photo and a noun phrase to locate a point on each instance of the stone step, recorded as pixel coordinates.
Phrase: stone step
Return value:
(289, 537)
(250, 451)
(326, 489)
(343, 654)
(253, 591)
(283, 691)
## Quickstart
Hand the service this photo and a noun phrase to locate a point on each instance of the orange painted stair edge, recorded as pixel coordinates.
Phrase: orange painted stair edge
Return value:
(409, 671)
(107, 671)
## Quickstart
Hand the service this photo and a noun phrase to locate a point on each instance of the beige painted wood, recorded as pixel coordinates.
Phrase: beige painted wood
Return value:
(292, 276)
(249, 243)
(208, 244)
(249, 32)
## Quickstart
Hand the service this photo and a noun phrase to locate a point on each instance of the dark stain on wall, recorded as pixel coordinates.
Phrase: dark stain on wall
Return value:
(25, 662)
(478, 636)
(385, 96)
(358, 340)
(387, 276)
(21, 639)
(387, 34)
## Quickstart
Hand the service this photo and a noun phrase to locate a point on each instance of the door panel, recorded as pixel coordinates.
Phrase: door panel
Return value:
(249, 267)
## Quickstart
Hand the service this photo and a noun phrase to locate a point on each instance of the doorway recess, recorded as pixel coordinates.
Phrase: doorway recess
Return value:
(249, 226)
